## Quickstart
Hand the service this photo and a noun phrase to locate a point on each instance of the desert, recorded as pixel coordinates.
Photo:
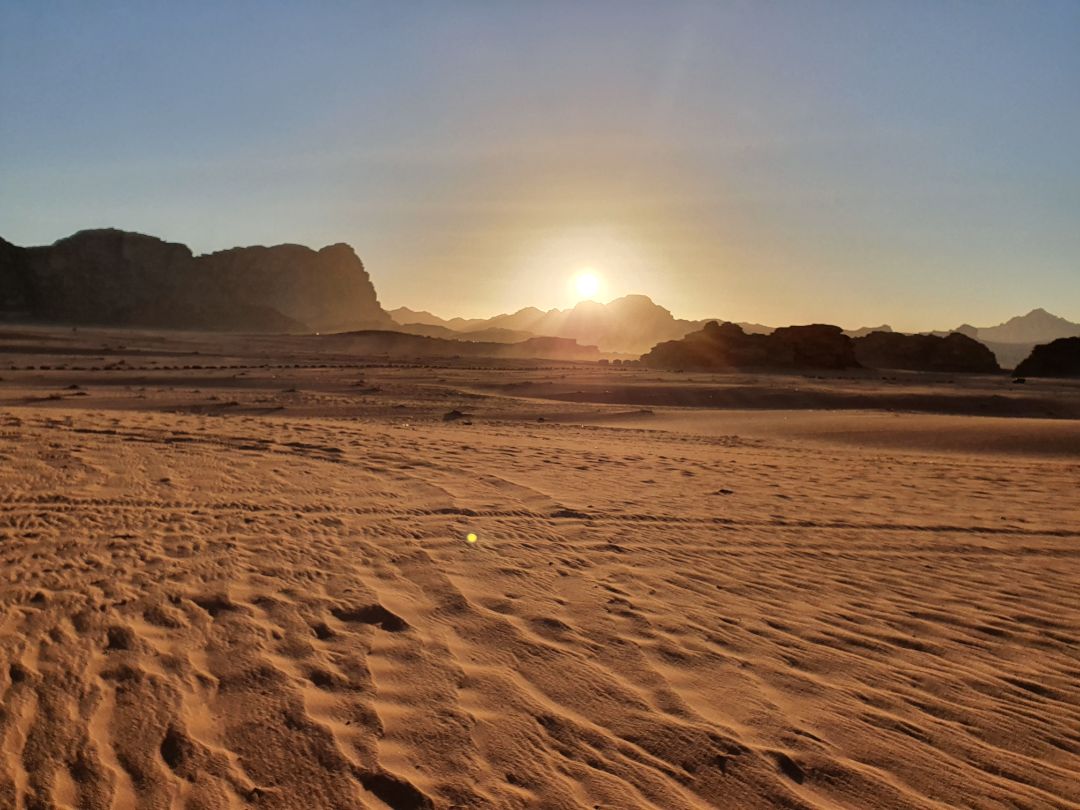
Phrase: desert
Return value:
(236, 572)
(593, 405)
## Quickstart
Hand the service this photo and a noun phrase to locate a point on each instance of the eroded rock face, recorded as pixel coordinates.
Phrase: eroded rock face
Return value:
(723, 346)
(329, 290)
(953, 353)
(110, 277)
(1059, 358)
(117, 278)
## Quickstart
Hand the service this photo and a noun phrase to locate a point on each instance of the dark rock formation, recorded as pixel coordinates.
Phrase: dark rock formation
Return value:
(16, 289)
(814, 346)
(1061, 358)
(116, 278)
(329, 290)
(955, 352)
(725, 346)
(112, 278)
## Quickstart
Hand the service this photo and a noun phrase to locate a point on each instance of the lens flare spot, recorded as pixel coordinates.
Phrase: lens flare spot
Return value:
(471, 537)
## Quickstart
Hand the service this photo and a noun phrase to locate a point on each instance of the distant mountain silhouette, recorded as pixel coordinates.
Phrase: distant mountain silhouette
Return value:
(1014, 340)
(632, 324)
(717, 347)
(867, 330)
(405, 316)
(117, 278)
(1038, 326)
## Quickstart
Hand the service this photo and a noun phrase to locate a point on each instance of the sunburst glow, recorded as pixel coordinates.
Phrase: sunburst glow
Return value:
(587, 283)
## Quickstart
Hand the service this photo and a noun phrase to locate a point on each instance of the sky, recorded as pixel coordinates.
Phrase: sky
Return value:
(911, 163)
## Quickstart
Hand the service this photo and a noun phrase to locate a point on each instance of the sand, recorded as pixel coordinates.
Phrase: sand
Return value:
(242, 579)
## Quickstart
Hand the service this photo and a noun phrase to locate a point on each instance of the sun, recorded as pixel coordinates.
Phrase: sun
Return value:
(587, 283)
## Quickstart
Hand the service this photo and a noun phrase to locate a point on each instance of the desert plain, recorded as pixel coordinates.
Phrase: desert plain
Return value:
(271, 573)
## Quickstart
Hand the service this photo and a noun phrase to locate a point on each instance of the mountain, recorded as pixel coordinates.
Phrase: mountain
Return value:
(408, 317)
(329, 289)
(1038, 326)
(717, 347)
(632, 324)
(528, 319)
(1014, 340)
(111, 277)
(404, 315)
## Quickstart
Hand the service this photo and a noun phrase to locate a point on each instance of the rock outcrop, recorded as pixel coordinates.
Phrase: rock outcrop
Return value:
(726, 346)
(117, 278)
(1060, 358)
(954, 353)
(329, 289)
(16, 290)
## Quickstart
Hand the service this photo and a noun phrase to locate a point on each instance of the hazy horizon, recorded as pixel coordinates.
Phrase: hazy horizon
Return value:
(611, 300)
(908, 164)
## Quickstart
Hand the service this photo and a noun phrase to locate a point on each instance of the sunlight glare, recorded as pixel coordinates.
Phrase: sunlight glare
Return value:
(587, 283)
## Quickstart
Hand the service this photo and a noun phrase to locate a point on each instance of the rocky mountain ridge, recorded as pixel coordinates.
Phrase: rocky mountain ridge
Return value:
(119, 278)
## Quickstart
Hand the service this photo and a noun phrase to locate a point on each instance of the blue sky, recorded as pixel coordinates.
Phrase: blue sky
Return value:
(850, 162)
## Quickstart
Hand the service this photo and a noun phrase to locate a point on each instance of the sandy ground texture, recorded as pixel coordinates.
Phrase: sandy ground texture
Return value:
(236, 573)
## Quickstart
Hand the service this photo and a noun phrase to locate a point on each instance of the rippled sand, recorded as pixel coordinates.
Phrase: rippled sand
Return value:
(248, 584)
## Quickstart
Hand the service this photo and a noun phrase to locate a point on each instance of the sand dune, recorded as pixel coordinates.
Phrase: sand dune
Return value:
(248, 584)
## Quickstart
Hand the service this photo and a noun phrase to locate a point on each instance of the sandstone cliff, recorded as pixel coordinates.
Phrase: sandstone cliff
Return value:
(117, 278)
